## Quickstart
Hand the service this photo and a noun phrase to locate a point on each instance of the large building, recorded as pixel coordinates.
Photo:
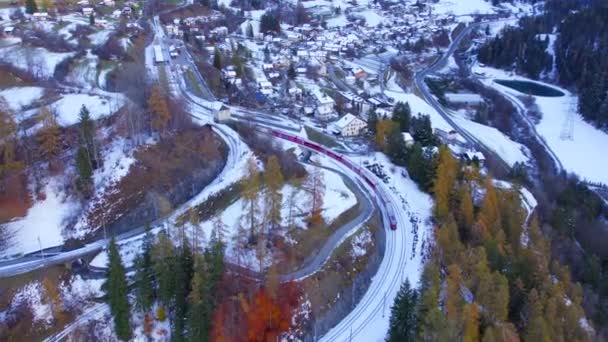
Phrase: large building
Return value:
(349, 125)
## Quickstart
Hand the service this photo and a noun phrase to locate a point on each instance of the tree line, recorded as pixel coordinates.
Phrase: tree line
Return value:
(491, 275)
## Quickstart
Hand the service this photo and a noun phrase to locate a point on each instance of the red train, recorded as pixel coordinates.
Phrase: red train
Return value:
(392, 221)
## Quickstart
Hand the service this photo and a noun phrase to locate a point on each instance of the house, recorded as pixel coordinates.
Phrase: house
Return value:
(88, 11)
(126, 10)
(349, 125)
(109, 3)
(101, 23)
(407, 137)
(265, 88)
(325, 106)
(474, 157)
(464, 99)
(221, 112)
(359, 73)
(9, 30)
(40, 16)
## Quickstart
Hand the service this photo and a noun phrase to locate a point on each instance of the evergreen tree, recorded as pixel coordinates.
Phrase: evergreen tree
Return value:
(402, 114)
(372, 121)
(144, 277)
(291, 72)
(91, 19)
(199, 310)
(269, 22)
(396, 149)
(214, 255)
(183, 278)
(116, 289)
(249, 30)
(164, 264)
(421, 167)
(422, 131)
(217, 59)
(31, 7)
(536, 327)
(404, 315)
(87, 134)
(83, 165)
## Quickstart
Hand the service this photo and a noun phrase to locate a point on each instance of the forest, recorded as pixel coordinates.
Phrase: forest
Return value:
(580, 49)
(491, 275)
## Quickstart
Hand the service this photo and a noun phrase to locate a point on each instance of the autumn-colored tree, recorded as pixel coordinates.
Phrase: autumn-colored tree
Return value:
(447, 171)
(273, 178)
(54, 298)
(383, 129)
(197, 231)
(493, 295)
(432, 323)
(536, 327)
(471, 323)
(49, 137)
(489, 214)
(159, 108)
(250, 191)
(267, 319)
(448, 240)
(315, 185)
(272, 282)
(454, 302)
(8, 135)
(466, 210)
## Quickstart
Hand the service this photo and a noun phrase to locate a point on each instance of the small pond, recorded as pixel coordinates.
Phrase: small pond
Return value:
(531, 88)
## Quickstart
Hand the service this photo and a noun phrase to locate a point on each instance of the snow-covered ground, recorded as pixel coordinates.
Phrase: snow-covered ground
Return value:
(32, 295)
(337, 199)
(84, 71)
(43, 224)
(117, 160)
(18, 97)
(509, 150)
(560, 120)
(403, 258)
(39, 61)
(68, 107)
(463, 7)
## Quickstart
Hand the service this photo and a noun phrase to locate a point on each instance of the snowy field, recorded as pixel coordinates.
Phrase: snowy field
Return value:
(578, 154)
(42, 226)
(463, 7)
(68, 107)
(39, 61)
(19, 97)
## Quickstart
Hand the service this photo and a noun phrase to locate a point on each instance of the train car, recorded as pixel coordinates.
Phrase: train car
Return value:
(392, 219)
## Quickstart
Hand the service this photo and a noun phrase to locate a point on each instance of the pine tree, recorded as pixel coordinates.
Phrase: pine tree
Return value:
(249, 30)
(217, 59)
(144, 276)
(87, 134)
(159, 108)
(214, 255)
(383, 129)
(402, 114)
(183, 278)
(116, 289)
(432, 324)
(396, 149)
(404, 315)
(273, 178)
(372, 121)
(31, 7)
(49, 136)
(199, 311)
(83, 165)
(164, 263)
(490, 211)
(422, 131)
(250, 191)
